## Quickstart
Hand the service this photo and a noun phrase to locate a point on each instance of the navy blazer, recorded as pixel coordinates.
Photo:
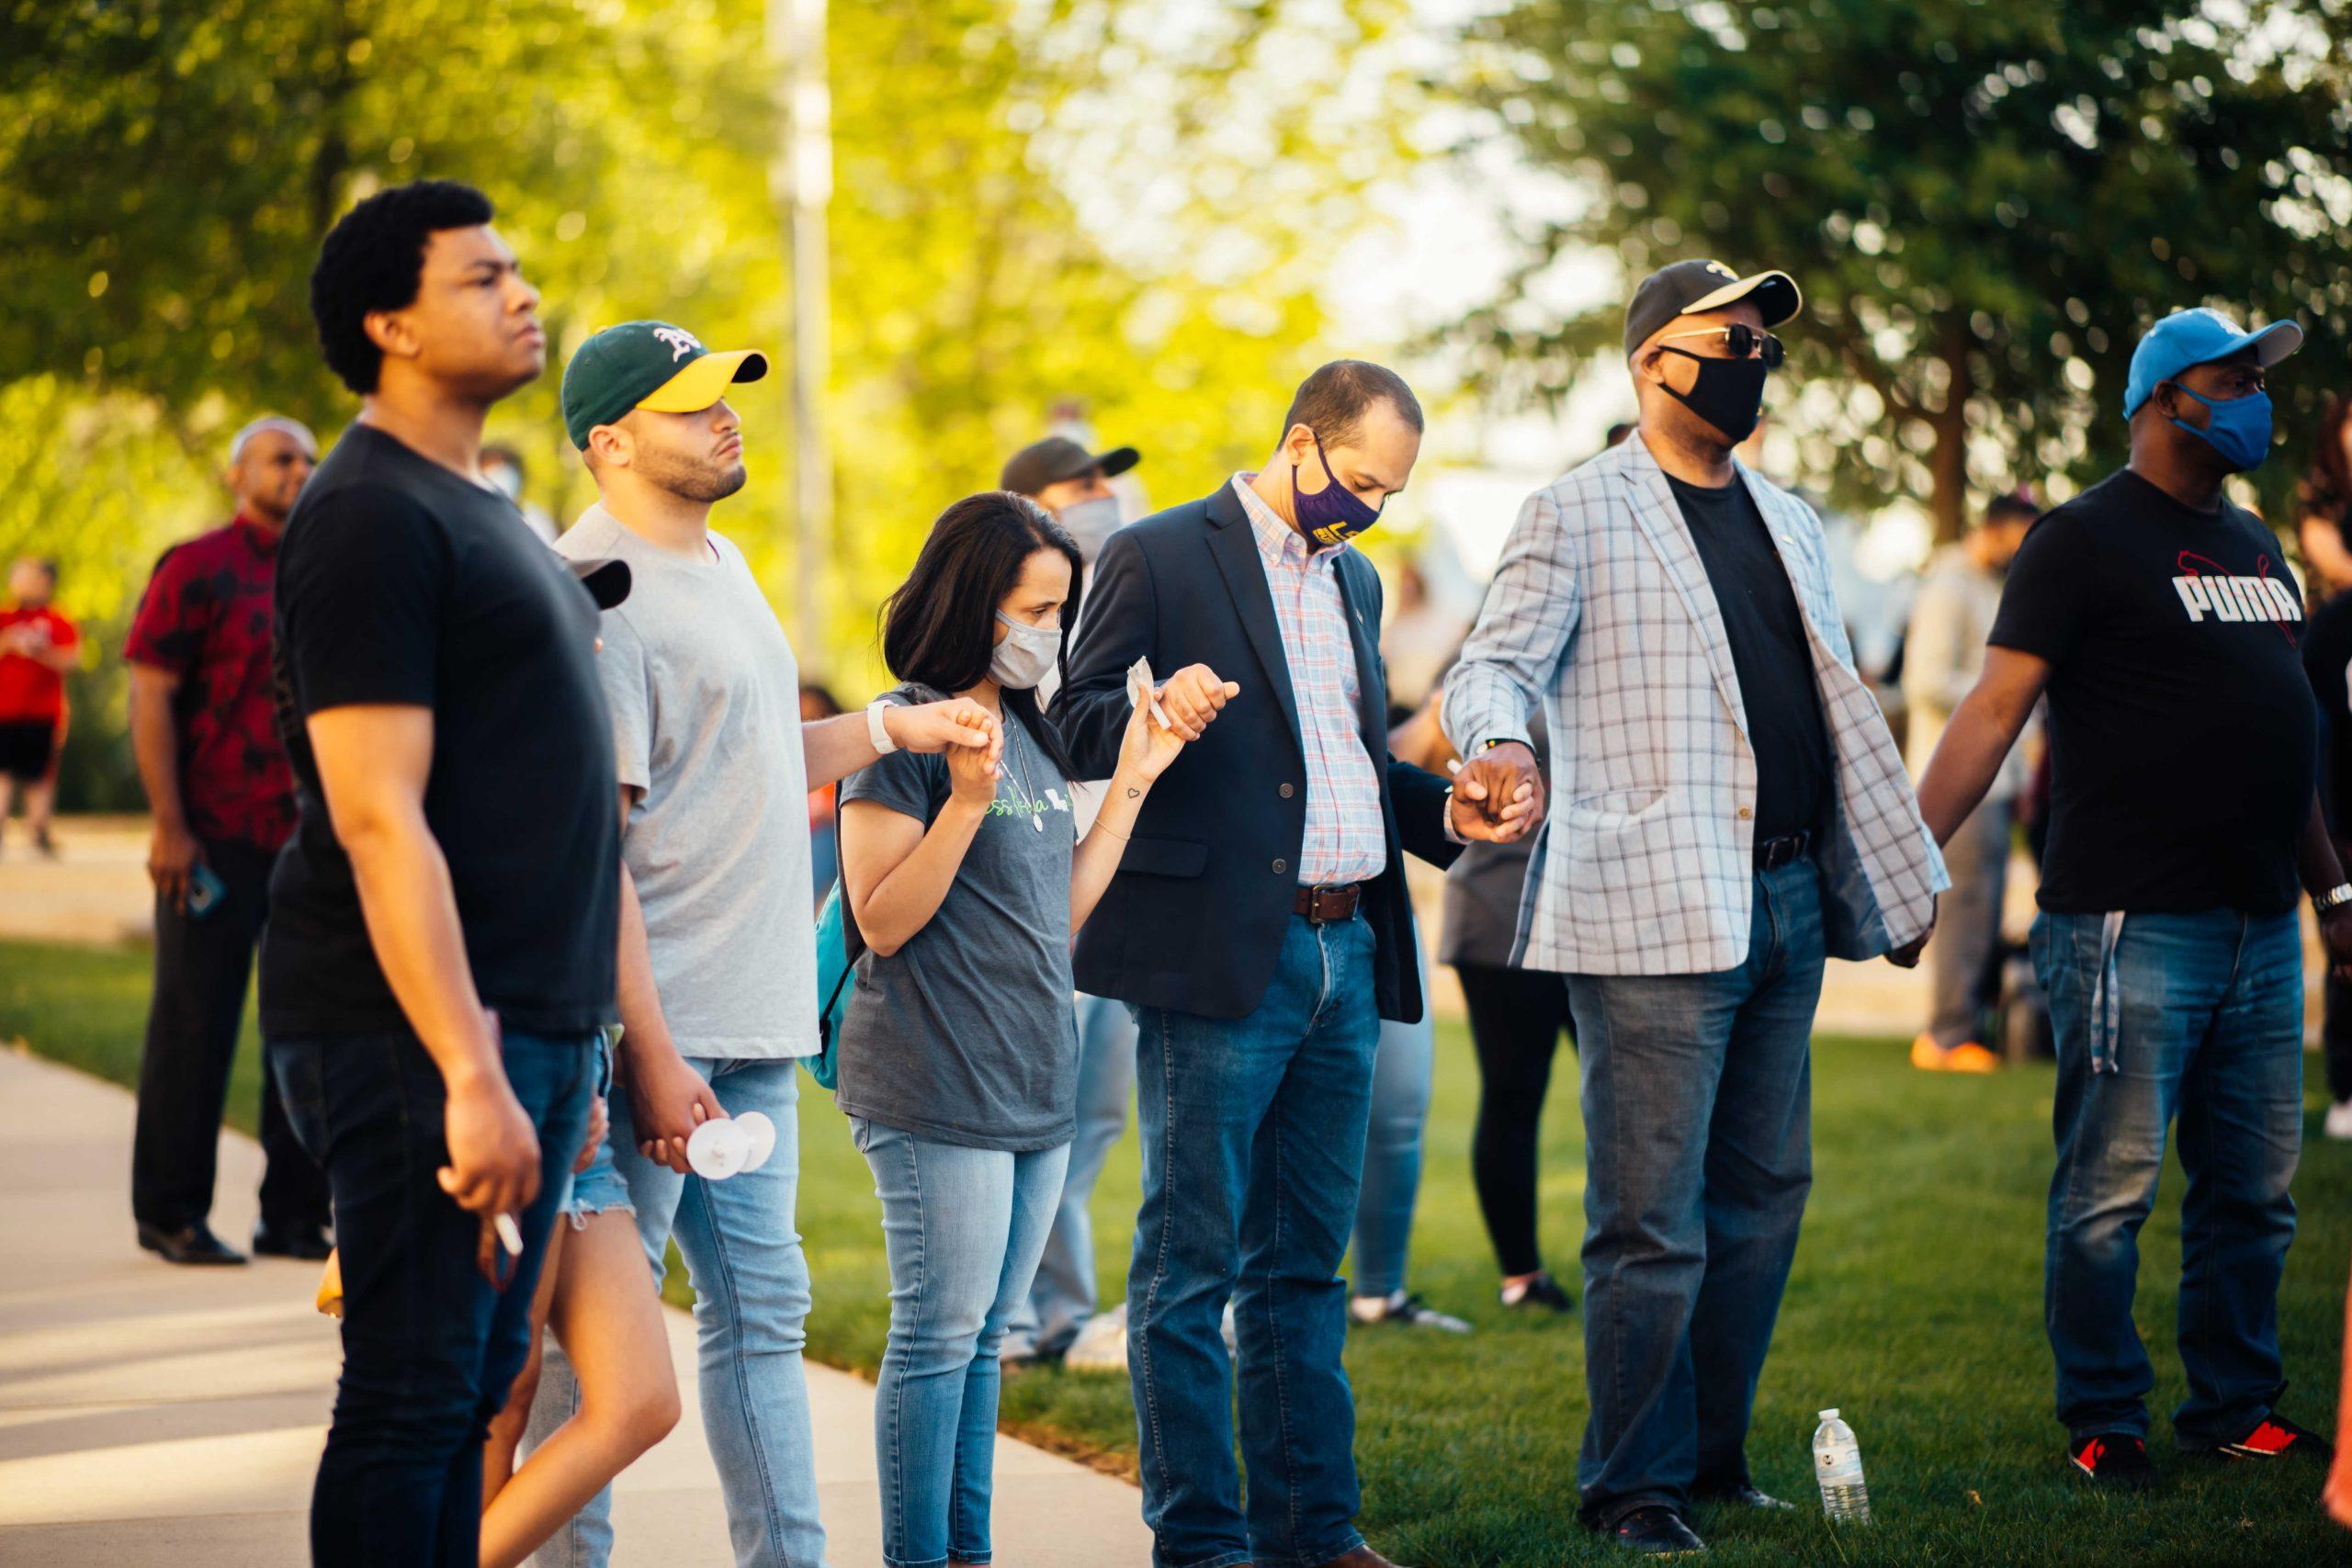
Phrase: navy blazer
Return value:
(1195, 919)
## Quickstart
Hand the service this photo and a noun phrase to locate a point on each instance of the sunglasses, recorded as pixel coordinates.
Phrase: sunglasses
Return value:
(1743, 341)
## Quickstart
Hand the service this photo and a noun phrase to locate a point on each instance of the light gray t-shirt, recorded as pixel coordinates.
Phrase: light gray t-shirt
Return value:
(967, 1035)
(705, 696)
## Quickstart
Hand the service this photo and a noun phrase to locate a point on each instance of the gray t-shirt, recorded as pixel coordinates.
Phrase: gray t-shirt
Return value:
(966, 1034)
(705, 696)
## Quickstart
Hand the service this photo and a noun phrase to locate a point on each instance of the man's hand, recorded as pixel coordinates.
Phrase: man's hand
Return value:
(2335, 936)
(1499, 795)
(668, 1099)
(493, 1149)
(935, 726)
(1908, 955)
(1192, 697)
(171, 856)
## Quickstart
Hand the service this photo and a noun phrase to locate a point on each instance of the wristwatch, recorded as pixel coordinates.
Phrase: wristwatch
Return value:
(2334, 898)
(874, 731)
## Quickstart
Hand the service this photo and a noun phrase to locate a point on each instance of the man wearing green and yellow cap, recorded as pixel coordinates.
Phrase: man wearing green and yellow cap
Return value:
(717, 956)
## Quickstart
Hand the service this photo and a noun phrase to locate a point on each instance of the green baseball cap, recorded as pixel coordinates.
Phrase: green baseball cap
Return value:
(647, 365)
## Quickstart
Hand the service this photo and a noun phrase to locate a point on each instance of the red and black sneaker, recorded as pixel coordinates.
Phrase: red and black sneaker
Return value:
(2113, 1458)
(2275, 1436)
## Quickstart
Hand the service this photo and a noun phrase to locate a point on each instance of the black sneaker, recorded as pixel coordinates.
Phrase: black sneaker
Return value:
(1406, 1311)
(1543, 1292)
(2113, 1458)
(1741, 1494)
(1655, 1530)
(2275, 1436)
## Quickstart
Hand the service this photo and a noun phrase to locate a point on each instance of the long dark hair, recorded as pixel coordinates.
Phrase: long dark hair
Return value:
(2327, 486)
(939, 628)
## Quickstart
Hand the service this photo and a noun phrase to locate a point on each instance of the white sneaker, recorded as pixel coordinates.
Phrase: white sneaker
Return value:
(1407, 1310)
(2338, 1123)
(1102, 1345)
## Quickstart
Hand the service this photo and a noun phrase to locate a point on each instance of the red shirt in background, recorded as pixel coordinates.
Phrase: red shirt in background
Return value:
(205, 617)
(30, 691)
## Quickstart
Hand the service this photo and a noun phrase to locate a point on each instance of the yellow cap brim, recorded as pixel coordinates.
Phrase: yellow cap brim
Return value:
(704, 381)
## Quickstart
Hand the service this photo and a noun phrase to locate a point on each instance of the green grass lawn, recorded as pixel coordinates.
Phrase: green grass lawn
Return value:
(1915, 1307)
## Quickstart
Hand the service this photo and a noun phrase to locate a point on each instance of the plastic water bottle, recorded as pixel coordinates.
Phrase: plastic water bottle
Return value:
(1838, 1464)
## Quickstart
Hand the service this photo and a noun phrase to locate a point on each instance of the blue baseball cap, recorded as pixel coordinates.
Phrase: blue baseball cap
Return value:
(2200, 337)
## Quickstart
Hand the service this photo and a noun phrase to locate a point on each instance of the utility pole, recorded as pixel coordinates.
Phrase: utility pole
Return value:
(801, 181)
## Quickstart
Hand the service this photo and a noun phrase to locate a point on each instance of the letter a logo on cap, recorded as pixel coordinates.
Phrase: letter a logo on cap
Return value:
(681, 343)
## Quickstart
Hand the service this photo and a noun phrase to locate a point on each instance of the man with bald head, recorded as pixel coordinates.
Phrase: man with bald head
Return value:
(204, 732)
(1733, 811)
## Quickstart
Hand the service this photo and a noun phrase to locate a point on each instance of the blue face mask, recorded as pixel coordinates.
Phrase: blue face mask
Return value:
(2238, 429)
(1335, 513)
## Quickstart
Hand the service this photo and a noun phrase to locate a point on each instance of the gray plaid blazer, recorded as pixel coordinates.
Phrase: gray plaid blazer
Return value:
(1602, 610)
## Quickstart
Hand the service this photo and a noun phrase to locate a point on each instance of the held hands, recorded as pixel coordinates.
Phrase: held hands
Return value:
(1499, 795)
(1908, 955)
(600, 1122)
(1192, 697)
(972, 768)
(941, 725)
(668, 1099)
(1149, 747)
(171, 856)
(2335, 936)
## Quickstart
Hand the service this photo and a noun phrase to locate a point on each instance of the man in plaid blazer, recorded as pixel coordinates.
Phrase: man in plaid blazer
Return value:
(1733, 811)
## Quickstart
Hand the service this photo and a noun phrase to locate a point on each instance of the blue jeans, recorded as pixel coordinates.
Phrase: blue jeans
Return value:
(1253, 1133)
(1698, 1116)
(2208, 1037)
(750, 1281)
(1064, 1298)
(1402, 1075)
(963, 1227)
(429, 1346)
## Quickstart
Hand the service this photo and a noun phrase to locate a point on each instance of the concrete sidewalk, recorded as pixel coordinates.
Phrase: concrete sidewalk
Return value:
(154, 1415)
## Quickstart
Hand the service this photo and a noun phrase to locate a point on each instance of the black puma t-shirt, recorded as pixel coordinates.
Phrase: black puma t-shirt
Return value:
(2184, 738)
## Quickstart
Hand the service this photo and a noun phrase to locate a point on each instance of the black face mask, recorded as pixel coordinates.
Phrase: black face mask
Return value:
(1728, 394)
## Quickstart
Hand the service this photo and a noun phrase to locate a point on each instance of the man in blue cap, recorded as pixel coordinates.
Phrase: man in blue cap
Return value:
(2160, 620)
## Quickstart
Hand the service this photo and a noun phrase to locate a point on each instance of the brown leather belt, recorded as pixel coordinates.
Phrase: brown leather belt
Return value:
(1324, 904)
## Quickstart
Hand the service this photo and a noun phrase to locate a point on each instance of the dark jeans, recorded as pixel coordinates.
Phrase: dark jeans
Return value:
(2207, 1039)
(429, 1347)
(1698, 1116)
(202, 966)
(1516, 1016)
(2335, 1036)
(1253, 1135)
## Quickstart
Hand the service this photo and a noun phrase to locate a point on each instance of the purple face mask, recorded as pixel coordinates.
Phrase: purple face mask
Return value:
(1335, 513)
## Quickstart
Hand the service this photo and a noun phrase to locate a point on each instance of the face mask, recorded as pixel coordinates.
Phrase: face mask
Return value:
(1090, 522)
(1026, 654)
(1728, 394)
(2238, 429)
(1335, 513)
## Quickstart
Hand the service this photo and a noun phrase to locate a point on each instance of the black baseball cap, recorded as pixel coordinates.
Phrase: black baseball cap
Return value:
(1056, 458)
(1678, 288)
(607, 580)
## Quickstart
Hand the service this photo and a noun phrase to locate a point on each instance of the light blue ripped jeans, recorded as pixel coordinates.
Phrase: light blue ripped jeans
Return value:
(750, 1281)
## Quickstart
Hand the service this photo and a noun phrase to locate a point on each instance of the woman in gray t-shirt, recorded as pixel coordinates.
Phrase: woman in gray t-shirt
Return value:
(959, 1052)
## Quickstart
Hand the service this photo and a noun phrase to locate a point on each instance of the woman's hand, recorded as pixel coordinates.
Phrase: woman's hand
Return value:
(972, 771)
(1148, 746)
(600, 1122)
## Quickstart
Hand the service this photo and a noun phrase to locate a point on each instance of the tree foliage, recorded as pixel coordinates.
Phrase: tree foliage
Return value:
(1985, 202)
(166, 169)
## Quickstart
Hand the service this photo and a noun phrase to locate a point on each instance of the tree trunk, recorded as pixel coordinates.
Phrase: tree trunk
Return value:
(1948, 462)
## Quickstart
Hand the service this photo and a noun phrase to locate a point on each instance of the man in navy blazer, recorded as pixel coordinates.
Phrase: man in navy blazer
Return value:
(1258, 929)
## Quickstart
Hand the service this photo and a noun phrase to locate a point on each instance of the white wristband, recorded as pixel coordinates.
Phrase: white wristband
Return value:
(874, 732)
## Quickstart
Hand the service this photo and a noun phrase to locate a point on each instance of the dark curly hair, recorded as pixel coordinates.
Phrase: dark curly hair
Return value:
(371, 260)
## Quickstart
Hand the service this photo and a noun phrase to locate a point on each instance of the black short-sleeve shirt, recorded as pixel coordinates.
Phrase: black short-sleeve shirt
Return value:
(401, 582)
(2182, 731)
(2327, 657)
(1768, 651)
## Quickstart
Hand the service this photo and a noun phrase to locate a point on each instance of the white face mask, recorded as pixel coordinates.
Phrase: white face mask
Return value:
(1026, 654)
(1089, 522)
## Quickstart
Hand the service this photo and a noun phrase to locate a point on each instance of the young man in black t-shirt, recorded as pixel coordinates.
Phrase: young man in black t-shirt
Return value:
(2163, 626)
(439, 959)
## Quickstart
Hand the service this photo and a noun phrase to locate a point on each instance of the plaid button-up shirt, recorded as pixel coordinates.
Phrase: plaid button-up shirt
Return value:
(1346, 838)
